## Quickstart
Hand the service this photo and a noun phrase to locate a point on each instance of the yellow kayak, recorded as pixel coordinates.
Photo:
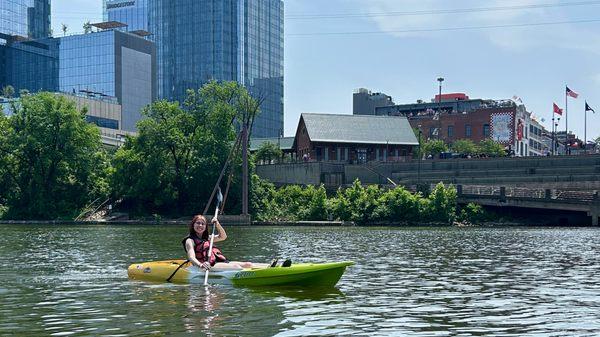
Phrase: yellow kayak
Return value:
(180, 271)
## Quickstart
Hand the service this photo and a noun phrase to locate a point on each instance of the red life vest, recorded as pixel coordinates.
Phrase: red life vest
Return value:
(201, 248)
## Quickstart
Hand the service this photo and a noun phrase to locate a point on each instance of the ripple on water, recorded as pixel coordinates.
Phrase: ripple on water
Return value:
(406, 282)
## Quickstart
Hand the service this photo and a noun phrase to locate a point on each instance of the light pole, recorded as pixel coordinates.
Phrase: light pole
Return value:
(440, 79)
(439, 135)
(554, 150)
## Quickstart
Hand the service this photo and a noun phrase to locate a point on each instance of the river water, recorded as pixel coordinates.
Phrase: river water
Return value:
(72, 280)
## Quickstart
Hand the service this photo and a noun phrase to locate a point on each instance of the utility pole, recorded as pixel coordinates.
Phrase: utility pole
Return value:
(440, 79)
(419, 161)
(245, 169)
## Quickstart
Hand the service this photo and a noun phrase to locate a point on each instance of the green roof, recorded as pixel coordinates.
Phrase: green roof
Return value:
(359, 129)
(286, 143)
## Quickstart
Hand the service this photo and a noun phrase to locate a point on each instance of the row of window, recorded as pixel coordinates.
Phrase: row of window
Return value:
(103, 122)
(468, 131)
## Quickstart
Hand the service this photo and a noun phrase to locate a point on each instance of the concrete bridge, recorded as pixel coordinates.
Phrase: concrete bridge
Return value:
(587, 202)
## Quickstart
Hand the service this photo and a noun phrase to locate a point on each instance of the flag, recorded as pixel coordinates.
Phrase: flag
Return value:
(557, 110)
(588, 108)
(572, 93)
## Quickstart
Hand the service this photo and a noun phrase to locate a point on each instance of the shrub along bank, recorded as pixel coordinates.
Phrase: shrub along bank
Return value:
(363, 205)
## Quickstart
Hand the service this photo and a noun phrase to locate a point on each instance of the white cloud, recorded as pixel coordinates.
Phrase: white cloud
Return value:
(570, 36)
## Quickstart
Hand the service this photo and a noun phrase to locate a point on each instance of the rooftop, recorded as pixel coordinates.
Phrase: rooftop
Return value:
(359, 129)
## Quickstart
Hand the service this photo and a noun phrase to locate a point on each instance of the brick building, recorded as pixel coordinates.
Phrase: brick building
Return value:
(354, 138)
(455, 116)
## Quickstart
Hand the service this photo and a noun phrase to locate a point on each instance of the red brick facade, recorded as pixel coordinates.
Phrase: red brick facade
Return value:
(476, 125)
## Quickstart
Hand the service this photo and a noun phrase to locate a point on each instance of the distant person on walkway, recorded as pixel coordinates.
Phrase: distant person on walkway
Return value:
(197, 243)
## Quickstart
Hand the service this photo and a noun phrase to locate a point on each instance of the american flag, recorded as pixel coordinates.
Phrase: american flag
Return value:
(572, 93)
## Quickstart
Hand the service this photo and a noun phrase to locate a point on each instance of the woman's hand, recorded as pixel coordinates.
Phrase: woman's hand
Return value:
(205, 266)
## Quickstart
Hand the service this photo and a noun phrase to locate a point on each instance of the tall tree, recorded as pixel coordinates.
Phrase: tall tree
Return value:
(267, 152)
(173, 163)
(54, 162)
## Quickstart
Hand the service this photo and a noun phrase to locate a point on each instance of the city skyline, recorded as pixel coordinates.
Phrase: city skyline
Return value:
(401, 47)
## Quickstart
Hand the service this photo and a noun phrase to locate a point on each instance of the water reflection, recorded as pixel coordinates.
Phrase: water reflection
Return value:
(203, 306)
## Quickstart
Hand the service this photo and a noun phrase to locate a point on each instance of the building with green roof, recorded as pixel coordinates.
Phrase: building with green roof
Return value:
(354, 138)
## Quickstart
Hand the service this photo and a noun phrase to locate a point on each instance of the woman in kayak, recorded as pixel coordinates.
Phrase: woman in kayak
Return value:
(197, 243)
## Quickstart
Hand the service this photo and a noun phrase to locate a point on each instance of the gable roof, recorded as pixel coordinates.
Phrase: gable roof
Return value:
(359, 129)
(285, 143)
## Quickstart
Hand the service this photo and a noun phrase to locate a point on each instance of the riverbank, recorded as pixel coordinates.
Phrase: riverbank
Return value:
(180, 222)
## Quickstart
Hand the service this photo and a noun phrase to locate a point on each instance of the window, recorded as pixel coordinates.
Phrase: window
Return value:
(103, 122)
(450, 131)
(468, 130)
(486, 130)
(431, 132)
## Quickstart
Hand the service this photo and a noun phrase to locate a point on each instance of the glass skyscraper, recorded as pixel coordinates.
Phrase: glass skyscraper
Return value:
(224, 40)
(31, 65)
(25, 18)
(134, 13)
(110, 63)
(25, 64)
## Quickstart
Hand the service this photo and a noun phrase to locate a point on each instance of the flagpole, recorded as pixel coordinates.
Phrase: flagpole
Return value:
(566, 120)
(585, 129)
(553, 135)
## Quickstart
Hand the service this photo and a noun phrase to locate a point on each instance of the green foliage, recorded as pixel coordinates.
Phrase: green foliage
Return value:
(51, 161)
(171, 166)
(8, 91)
(434, 147)
(441, 204)
(473, 213)
(398, 204)
(490, 148)
(356, 203)
(464, 146)
(290, 203)
(268, 152)
(87, 27)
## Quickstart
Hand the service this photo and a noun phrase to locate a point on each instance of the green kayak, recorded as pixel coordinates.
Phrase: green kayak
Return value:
(180, 271)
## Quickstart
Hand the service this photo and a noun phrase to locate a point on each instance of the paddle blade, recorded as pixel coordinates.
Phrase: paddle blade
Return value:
(219, 197)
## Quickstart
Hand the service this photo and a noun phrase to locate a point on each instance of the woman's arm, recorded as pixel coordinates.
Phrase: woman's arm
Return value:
(222, 234)
(191, 253)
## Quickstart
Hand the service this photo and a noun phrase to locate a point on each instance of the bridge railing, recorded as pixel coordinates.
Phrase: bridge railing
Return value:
(527, 193)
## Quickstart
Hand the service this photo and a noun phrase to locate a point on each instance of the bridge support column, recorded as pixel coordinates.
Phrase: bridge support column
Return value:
(594, 216)
(595, 209)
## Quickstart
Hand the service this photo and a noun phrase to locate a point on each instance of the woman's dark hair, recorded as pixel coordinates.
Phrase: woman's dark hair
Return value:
(191, 227)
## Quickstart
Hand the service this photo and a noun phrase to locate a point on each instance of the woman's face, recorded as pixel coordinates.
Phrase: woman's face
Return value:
(200, 226)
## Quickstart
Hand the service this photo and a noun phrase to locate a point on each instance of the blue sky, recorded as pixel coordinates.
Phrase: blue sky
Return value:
(531, 62)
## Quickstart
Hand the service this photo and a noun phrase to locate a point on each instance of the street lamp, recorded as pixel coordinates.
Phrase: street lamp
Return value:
(439, 135)
(440, 79)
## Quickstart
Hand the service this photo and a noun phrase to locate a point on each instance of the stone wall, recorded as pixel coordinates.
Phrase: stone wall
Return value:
(576, 172)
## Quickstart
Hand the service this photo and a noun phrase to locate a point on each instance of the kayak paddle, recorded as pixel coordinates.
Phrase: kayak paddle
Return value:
(212, 237)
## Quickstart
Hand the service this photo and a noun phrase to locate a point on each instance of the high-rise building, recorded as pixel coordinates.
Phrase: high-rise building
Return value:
(26, 64)
(110, 63)
(364, 102)
(224, 40)
(134, 13)
(29, 65)
(29, 19)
